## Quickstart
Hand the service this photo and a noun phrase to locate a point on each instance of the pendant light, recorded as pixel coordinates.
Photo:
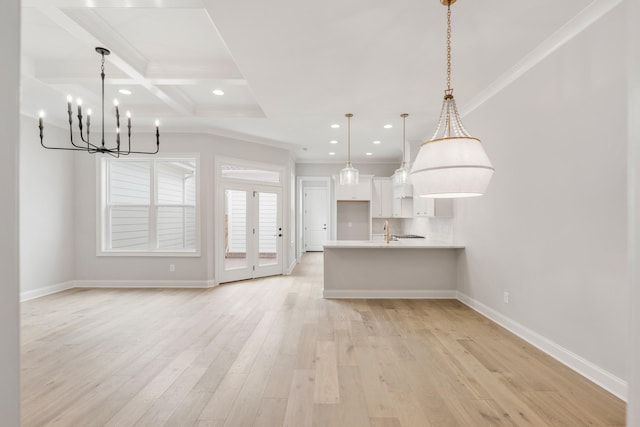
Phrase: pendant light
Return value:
(349, 175)
(401, 175)
(452, 163)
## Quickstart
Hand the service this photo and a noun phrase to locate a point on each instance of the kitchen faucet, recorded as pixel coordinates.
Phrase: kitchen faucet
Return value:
(387, 233)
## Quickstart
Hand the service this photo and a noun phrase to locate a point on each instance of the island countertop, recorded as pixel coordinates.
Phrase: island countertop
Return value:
(394, 244)
(408, 268)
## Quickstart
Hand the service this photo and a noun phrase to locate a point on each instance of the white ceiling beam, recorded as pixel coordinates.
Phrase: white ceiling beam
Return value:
(154, 4)
(123, 56)
(127, 81)
(186, 74)
(203, 70)
(230, 111)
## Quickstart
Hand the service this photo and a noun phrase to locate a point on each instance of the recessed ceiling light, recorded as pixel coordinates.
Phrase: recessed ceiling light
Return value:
(335, 126)
(369, 154)
(388, 126)
(125, 91)
(333, 142)
(376, 142)
(332, 153)
(218, 92)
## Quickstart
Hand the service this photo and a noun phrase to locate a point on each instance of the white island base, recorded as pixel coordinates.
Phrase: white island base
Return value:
(401, 269)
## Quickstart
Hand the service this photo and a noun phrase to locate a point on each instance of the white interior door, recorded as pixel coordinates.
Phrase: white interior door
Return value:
(252, 233)
(316, 215)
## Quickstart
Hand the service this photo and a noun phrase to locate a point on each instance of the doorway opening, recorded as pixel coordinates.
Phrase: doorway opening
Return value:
(249, 222)
(315, 214)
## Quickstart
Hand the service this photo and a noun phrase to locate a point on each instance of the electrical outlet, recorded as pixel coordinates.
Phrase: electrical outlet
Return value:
(172, 268)
(506, 297)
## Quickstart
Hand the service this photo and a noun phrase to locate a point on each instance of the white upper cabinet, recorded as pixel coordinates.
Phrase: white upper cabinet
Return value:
(381, 202)
(427, 207)
(360, 192)
(402, 191)
(402, 208)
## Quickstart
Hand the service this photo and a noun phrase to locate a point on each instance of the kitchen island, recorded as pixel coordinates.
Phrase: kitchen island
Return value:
(413, 268)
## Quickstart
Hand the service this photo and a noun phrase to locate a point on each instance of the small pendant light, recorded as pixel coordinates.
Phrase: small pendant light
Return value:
(453, 163)
(349, 175)
(401, 175)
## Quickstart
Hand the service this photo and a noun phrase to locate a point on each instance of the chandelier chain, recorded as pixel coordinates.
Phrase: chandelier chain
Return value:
(449, 46)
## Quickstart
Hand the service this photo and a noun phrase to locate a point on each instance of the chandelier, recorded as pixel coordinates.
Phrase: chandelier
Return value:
(349, 175)
(86, 144)
(452, 163)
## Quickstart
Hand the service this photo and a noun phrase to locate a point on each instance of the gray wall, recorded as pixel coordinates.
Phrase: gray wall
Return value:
(47, 244)
(9, 246)
(91, 267)
(551, 229)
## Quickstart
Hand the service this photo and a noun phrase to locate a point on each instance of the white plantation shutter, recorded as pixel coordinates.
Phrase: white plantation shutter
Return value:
(129, 187)
(176, 204)
(268, 223)
(151, 205)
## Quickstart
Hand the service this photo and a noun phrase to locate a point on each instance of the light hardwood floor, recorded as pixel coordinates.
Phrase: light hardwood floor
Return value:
(272, 352)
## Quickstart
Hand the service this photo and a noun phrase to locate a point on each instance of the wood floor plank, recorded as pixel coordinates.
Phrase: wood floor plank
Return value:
(272, 352)
(299, 411)
(326, 388)
(271, 412)
(353, 405)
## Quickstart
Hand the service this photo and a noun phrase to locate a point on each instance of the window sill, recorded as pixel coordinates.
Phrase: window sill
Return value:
(172, 254)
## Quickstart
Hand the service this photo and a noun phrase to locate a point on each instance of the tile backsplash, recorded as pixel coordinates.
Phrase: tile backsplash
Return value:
(434, 229)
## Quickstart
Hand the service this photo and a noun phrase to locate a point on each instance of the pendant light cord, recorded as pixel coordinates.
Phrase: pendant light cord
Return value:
(349, 138)
(404, 138)
(102, 77)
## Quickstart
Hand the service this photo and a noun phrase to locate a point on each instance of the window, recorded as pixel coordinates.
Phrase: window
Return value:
(149, 206)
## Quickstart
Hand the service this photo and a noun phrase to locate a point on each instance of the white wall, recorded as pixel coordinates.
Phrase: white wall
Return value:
(552, 228)
(9, 245)
(47, 244)
(90, 267)
(633, 401)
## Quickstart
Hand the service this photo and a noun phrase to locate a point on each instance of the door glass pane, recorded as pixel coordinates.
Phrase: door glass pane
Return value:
(235, 229)
(268, 229)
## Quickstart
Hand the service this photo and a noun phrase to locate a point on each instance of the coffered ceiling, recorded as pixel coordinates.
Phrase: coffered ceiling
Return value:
(288, 68)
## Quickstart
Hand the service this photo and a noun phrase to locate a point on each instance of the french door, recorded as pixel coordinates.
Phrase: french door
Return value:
(252, 232)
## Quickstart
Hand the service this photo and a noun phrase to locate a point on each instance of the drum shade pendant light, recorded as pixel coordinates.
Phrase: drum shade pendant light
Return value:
(349, 175)
(453, 163)
(401, 175)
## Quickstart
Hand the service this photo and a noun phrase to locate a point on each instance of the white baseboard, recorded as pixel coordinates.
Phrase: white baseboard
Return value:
(47, 290)
(144, 284)
(291, 267)
(386, 294)
(604, 379)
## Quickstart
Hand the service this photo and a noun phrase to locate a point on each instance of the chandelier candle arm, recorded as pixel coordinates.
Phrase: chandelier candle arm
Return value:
(89, 147)
(453, 163)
